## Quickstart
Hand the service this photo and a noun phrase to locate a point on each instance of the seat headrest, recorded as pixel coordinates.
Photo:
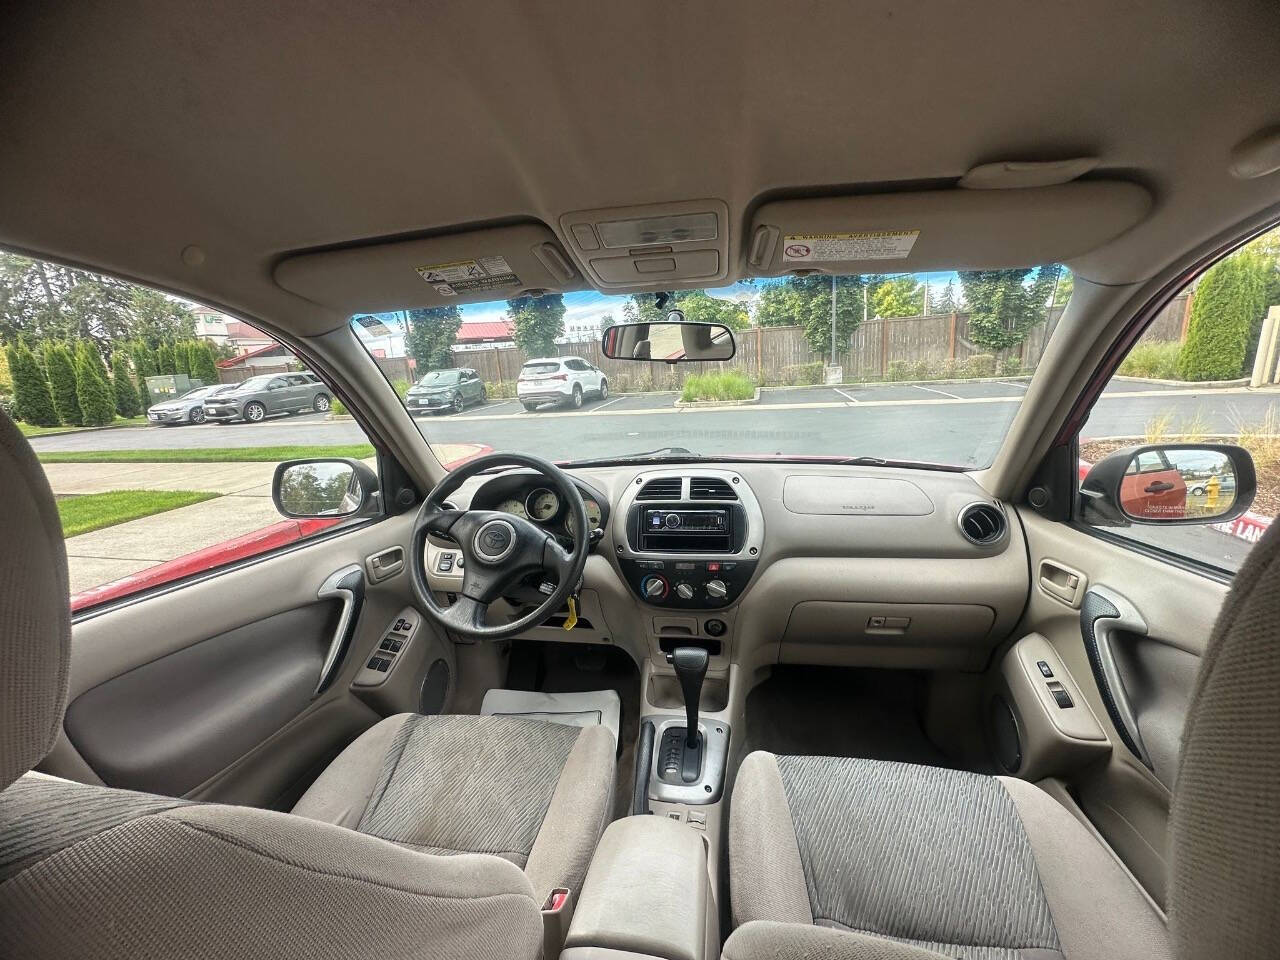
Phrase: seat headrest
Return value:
(35, 612)
(1225, 825)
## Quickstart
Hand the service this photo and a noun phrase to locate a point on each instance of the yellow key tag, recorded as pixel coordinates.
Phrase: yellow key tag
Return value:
(571, 620)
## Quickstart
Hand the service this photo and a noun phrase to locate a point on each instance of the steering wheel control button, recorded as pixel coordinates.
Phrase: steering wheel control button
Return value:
(684, 591)
(715, 628)
(717, 590)
(494, 541)
(445, 563)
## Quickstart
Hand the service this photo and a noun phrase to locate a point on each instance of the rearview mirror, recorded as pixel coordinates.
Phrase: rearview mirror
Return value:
(1169, 483)
(668, 342)
(324, 488)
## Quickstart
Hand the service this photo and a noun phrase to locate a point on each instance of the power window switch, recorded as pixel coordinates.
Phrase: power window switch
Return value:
(1060, 695)
(1045, 670)
(373, 663)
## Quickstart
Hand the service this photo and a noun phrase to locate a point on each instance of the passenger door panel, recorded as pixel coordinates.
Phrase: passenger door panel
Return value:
(1156, 665)
(209, 690)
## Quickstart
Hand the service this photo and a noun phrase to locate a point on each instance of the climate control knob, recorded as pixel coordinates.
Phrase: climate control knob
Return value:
(716, 589)
(684, 591)
(654, 587)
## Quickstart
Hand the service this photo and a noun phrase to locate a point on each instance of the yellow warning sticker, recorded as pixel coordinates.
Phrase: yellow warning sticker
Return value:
(826, 247)
(465, 276)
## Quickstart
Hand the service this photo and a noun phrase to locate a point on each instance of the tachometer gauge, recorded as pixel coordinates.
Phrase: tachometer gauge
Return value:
(593, 516)
(542, 505)
(513, 506)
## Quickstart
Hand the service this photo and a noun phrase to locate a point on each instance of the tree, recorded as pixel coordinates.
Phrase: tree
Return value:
(943, 300)
(31, 390)
(806, 301)
(1066, 286)
(203, 364)
(1228, 305)
(164, 360)
(431, 335)
(538, 321)
(156, 318)
(643, 308)
(61, 368)
(144, 363)
(699, 307)
(97, 402)
(127, 402)
(900, 296)
(1004, 305)
(181, 358)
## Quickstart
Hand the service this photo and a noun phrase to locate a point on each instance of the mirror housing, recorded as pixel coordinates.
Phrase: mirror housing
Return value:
(325, 487)
(1169, 483)
(669, 342)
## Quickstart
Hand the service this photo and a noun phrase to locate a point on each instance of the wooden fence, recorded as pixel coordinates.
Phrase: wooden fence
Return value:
(878, 350)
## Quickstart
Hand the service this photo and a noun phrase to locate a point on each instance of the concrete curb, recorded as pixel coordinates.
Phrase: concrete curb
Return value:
(1206, 384)
(698, 404)
(75, 430)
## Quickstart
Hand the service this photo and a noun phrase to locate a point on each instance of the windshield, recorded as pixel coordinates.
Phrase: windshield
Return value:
(197, 393)
(927, 368)
(256, 383)
(439, 378)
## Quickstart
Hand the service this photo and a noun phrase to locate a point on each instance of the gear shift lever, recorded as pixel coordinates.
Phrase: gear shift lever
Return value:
(691, 668)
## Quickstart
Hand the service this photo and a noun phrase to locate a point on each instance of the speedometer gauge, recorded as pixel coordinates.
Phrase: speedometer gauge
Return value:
(513, 506)
(593, 517)
(542, 505)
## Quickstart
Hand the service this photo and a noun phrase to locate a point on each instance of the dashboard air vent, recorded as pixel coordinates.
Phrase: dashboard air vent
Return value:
(982, 523)
(666, 488)
(710, 488)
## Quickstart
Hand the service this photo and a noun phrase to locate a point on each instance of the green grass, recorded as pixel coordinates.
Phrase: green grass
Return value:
(93, 511)
(32, 431)
(726, 385)
(358, 451)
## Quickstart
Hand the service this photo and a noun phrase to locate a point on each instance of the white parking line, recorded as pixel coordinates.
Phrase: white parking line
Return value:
(941, 392)
(483, 409)
(845, 395)
(607, 403)
(1014, 383)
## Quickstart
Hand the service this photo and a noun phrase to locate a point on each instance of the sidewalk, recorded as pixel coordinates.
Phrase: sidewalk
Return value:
(128, 548)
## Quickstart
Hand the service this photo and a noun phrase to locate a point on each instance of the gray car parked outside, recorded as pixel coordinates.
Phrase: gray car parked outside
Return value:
(269, 395)
(188, 408)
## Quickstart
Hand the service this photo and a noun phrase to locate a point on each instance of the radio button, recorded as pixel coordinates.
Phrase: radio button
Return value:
(672, 520)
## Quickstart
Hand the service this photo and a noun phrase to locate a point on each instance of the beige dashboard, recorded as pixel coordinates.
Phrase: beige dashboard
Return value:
(848, 565)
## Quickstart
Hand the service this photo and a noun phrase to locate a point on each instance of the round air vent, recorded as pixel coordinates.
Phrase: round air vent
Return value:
(983, 524)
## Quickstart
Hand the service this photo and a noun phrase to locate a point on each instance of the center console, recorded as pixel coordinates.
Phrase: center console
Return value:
(690, 539)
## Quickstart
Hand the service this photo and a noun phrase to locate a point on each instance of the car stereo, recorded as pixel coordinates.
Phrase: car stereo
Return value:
(683, 529)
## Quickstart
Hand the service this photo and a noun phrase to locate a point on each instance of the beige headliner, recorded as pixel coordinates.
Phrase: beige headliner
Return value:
(133, 130)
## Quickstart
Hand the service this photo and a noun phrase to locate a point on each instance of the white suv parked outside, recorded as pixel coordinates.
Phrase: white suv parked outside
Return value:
(559, 380)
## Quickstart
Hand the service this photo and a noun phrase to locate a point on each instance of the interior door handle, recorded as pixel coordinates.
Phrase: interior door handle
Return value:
(1103, 612)
(346, 585)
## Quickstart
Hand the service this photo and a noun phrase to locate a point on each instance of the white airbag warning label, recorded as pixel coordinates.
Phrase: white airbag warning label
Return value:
(464, 276)
(873, 245)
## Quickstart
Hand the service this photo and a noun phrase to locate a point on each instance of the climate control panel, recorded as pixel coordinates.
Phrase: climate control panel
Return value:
(688, 584)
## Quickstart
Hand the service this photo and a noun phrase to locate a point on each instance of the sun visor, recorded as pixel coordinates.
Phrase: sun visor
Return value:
(489, 264)
(942, 229)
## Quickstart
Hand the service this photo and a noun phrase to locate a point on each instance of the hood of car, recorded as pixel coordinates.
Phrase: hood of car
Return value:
(418, 391)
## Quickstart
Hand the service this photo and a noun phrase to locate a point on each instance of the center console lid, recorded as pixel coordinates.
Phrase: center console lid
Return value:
(647, 895)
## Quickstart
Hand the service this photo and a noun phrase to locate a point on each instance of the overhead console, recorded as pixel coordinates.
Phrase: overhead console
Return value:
(690, 538)
(949, 229)
(467, 266)
(658, 246)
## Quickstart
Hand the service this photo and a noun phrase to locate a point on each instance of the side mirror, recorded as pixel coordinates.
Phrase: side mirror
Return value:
(1179, 483)
(305, 489)
(668, 342)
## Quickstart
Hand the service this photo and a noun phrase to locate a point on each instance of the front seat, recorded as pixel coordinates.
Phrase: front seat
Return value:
(847, 858)
(427, 837)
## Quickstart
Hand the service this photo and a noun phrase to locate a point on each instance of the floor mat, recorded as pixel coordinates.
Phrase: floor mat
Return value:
(586, 709)
(833, 712)
(573, 668)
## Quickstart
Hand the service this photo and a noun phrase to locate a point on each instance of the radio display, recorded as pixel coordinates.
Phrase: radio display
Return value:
(694, 521)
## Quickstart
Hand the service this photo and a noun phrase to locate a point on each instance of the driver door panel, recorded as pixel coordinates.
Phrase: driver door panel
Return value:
(208, 690)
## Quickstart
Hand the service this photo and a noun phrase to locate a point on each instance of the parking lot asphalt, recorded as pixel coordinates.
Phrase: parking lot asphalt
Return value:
(961, 423)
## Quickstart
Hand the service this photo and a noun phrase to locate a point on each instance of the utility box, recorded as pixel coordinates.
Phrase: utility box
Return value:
(170, 385)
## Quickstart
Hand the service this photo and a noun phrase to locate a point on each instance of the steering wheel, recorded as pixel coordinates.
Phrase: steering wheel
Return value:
(500, 550)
